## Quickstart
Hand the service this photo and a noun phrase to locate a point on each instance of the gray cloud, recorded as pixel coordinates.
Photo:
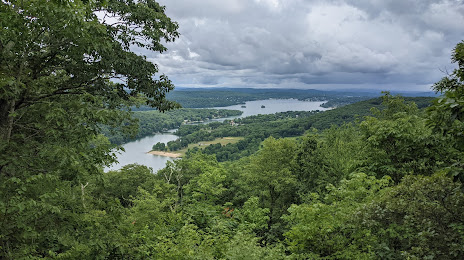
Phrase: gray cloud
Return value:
(311, 43)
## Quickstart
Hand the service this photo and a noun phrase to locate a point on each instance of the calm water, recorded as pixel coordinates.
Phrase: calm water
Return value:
(136, 151)
(272, 106)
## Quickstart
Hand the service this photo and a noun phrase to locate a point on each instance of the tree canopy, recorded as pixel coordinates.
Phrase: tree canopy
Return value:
(67, 67)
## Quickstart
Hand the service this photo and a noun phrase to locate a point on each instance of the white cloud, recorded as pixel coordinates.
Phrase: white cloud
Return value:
(274, 5)
(311, 44)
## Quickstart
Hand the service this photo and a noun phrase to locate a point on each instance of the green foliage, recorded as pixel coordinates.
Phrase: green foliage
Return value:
(421, 218)
(246, 246)
(159, 147)
(446, 116)
(57, 62)
(207, 185)
(400, 143)
(56, 96)
(124, 183)
(252, 217)
(326, 229)
(255, 129)
(327, 157)
(269, 176)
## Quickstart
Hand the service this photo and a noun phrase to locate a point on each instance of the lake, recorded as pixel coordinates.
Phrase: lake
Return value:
(136, 151)
(271, 106)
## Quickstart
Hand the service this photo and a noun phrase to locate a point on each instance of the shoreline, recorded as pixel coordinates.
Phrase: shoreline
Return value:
(166, 154)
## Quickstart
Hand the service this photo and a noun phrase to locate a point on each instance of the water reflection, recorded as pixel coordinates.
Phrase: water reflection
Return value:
(136, 152)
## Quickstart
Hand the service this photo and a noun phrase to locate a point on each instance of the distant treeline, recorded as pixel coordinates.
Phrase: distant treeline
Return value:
(198, 98)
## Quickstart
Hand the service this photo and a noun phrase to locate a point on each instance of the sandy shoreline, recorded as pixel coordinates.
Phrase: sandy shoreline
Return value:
(167, 154)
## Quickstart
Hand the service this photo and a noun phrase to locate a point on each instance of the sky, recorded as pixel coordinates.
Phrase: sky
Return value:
(308, 44)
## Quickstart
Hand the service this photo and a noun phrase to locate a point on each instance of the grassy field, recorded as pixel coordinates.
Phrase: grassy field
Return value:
(203, 144)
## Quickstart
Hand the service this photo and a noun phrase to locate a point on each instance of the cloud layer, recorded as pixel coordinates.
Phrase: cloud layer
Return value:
(384, 44)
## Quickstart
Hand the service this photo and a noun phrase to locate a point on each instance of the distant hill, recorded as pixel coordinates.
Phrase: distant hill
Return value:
(221, 97)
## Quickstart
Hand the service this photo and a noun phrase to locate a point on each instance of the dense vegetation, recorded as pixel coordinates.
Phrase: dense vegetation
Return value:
(151, 122)
(388, 186)
(255, 129)
(377, 188)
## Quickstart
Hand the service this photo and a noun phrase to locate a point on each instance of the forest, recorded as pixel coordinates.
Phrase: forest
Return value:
(384, 183)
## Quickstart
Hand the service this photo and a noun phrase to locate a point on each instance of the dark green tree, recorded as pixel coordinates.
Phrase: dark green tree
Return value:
(327, 157)
(269, 176)
(399, 142)
(421, 218)
(326, 227)
(446, 116)
(66, 68)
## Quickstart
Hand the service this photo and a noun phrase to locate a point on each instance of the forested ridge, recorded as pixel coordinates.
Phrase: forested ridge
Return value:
(385, 186)
(221, 97)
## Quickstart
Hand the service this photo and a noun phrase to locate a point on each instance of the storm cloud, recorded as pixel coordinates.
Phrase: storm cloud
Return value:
(383, 44)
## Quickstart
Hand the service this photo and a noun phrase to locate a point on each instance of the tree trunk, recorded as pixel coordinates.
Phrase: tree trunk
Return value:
(7, 108)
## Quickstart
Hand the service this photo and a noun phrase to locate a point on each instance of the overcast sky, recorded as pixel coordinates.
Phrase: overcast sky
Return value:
(339, 44)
